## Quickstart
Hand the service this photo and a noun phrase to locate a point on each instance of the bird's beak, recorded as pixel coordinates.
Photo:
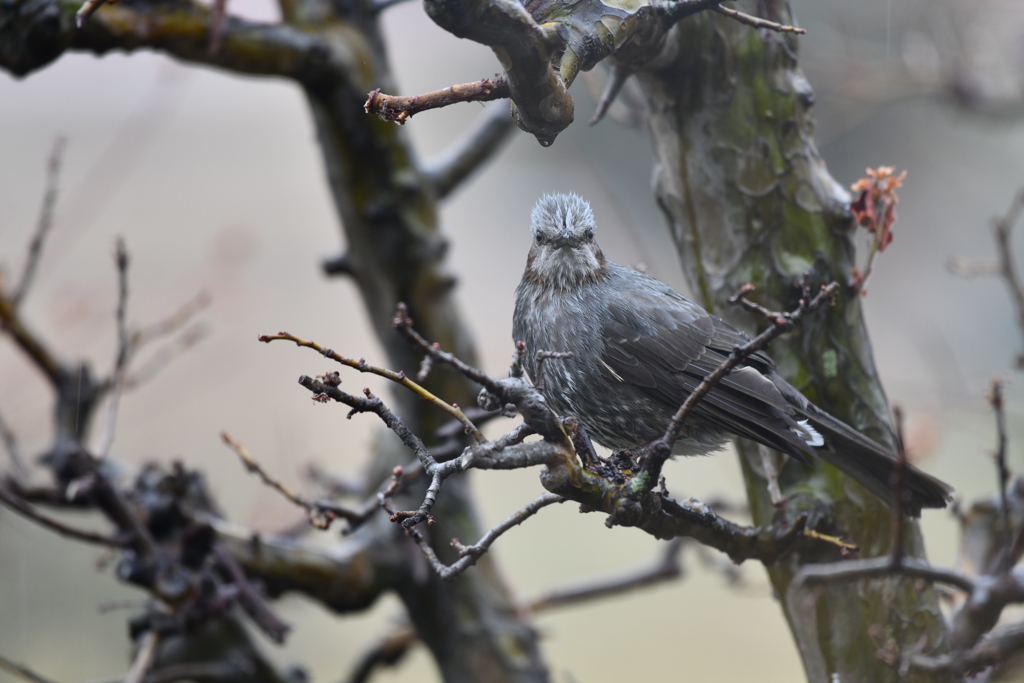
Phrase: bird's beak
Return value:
(562, 240)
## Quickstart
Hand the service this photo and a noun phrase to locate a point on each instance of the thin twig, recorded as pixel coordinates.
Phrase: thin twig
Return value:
(399, 108)
(23, 671)
(469, 554)
(781, 323)
(43, 224)
(398, 377)
(757, 22)
(164, 357)
(143, 658)
(1006, 265)
(1003, 472)
(616, 79)
(29, 512)
(36, 350)
(899, 487)
(87, 9)
(217, 26)
(403, 325)
(116, 381)
(449, 169)
(10, 440)
(388, 652)
(250, 599)
(172, 323)
(321, 513)
(667, 567)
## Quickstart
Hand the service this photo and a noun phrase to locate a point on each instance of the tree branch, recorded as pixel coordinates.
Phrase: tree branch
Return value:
(666, 568)
(116, 381)
(449, 169)
(757, 22)
(34, 34)
(33, 347)
(43, 224)
(400, 108)
(320, 513)
(469, 554)
(397, 377)
(25, 510)
(22, 671)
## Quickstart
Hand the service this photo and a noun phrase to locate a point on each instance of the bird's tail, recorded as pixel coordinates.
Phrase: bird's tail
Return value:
(872, 465)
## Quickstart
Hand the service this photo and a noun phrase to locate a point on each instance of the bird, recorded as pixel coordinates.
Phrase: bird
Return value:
(635, 349)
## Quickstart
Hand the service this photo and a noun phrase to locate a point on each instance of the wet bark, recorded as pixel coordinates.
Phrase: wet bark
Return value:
(749, 199)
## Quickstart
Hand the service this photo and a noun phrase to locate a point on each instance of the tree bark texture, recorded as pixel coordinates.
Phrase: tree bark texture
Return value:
(397, 254)
(749, 199)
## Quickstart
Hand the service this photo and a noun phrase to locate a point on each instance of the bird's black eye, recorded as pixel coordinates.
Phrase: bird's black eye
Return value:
(539, 238)
(589, 234)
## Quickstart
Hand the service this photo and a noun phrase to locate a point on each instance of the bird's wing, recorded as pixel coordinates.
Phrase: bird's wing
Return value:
(665, 346)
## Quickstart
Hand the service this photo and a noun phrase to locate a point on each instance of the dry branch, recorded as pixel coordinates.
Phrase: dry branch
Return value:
(18, 505)
(449, 169)
(1006, 265)
(43, 224)
(398, 377)
(399, 108)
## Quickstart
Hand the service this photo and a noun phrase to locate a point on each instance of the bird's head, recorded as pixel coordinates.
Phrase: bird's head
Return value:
(564, 253)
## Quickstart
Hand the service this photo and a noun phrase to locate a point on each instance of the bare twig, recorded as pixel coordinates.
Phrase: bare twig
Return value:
(757, 22)
(667, 567)
(616, 79)
(781, 323)
(87, 9)
(388, 652)
(116, 382)
(450, 168)
(469, 554)
(172, 323)
(164, 357)
(217, 25)
(899, 486)
(398, 377)
(34, 347)
(399, 108)
(10, 440)
(771, 475)
(994, 649)
(321, 513)
(250, 599)
(43, 224)
(403, 325)
(24, 509)
(143, 658)
(996, 400)
(22, 671)
(1006, 265)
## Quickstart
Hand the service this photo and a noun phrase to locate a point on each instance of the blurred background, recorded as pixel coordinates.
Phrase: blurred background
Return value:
(216, 183)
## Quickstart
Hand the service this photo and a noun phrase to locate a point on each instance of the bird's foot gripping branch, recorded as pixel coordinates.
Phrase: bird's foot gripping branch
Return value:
(572, 470)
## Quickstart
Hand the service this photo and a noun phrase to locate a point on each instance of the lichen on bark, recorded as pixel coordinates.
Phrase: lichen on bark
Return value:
(748, 198)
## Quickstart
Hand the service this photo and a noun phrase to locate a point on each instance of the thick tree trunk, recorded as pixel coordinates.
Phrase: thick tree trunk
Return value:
(396, 253)
(748, 199)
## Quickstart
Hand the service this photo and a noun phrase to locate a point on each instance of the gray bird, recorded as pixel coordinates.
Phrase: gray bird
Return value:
(640, 348)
